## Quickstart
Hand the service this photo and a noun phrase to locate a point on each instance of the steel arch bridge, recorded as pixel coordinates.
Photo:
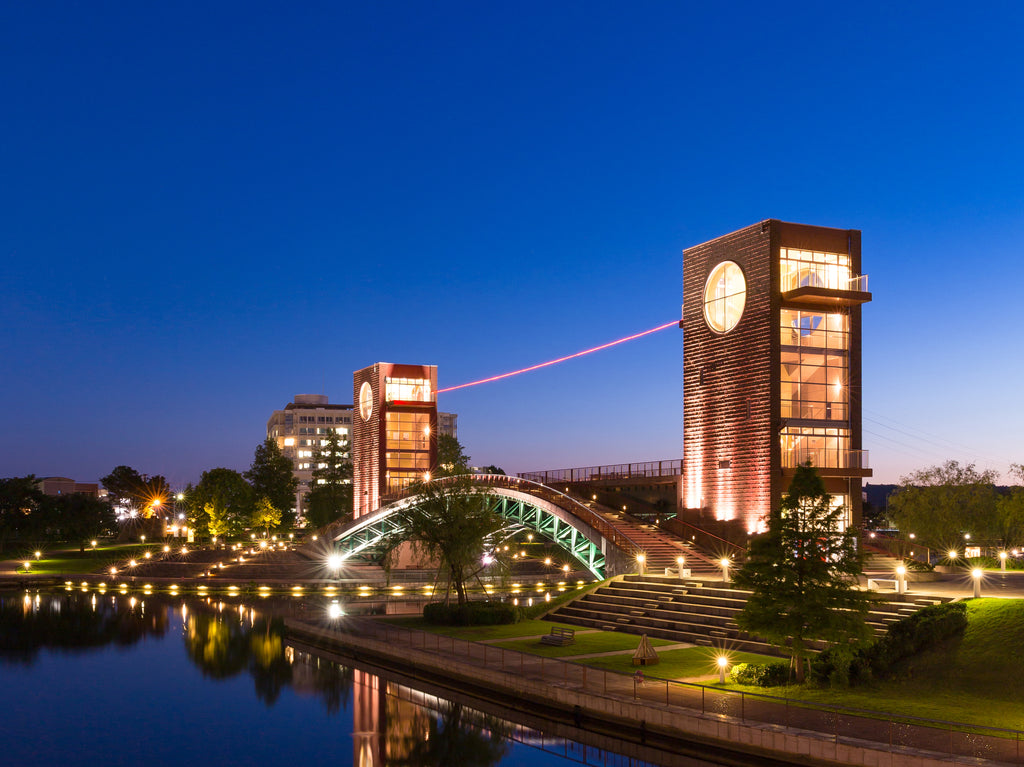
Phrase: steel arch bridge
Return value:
(527, 506)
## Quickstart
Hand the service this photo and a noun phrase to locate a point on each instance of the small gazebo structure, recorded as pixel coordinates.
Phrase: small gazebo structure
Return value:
(645, 654)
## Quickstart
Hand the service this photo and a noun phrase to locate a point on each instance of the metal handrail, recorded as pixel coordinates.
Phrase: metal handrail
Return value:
(672, 467)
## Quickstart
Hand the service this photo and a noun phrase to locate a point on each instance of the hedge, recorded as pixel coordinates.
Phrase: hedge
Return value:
(471, 614)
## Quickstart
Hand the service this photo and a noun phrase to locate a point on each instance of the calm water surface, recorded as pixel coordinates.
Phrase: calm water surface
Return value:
(112, 679)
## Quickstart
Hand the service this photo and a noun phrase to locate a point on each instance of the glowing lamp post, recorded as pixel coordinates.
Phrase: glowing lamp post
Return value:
(27, 565)
(951, 554)
(39, 554)
(334, 563)
(681, 561)
(723, 663)
(901, 580)
(724, 563)
(1002, 561)
(641, 559)
(976, 573)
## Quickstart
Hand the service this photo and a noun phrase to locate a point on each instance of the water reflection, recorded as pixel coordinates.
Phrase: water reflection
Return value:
(392, 725)
(34, 622)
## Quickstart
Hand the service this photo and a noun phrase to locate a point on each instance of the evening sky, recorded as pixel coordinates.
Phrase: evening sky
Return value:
(211, 207)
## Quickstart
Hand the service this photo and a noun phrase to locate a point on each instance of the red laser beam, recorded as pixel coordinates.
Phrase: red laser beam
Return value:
(561, 359)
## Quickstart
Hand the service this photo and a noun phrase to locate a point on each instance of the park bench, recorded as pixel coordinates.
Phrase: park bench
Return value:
(559, 636)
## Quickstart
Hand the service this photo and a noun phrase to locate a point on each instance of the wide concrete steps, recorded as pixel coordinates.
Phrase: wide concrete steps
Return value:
(700, 612)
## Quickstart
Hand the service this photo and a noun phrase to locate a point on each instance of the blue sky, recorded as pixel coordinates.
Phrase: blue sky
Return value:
(210, 208)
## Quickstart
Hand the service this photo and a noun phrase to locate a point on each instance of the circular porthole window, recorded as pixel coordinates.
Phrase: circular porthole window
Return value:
(725, 295)
(366, 400)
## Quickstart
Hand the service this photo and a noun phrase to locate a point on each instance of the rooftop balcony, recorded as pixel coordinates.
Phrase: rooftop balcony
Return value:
(823, 284)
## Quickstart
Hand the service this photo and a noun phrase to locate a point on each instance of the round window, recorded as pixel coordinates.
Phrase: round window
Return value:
(366, 400)
(725, 294)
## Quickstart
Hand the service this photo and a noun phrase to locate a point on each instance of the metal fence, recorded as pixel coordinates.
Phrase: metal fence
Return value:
(843, 724)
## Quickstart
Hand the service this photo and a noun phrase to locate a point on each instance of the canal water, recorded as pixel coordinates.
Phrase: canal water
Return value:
(103, 679)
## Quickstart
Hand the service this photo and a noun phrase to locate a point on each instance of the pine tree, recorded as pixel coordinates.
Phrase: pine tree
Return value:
(803, 575)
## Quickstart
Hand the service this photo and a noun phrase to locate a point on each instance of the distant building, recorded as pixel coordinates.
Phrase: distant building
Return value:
(65, 486)
(771, 370)
(300, 428)
(306, 422)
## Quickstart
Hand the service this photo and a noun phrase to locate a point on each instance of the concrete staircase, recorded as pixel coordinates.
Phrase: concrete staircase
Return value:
(695, 611)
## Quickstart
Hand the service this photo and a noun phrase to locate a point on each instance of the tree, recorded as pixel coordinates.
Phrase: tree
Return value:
(78, 517)
(1010, 510)
(451, 457)
(221, 503)
(272, 476)
(330, 498)
(453, 524)
(265, 515)
(136, 492)
(941, 503)
(20, 513)
(803, 575)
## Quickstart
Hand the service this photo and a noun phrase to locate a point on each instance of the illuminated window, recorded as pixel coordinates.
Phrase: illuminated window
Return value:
(805, 268)
(725, 295)
(289, 441)
(399, 480)
(407, 390)
(814, 372)
(824, 447)
(406, 431)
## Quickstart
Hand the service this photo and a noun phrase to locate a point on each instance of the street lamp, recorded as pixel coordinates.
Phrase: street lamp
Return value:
(724, 562)
(681, 561)
(951, 554)
(723, 662)
(976, 574)
(1002, 561)
(640, 560)
(901, 580)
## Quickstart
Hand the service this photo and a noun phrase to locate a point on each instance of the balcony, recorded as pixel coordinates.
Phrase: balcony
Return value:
(828, 462)
(823, 286)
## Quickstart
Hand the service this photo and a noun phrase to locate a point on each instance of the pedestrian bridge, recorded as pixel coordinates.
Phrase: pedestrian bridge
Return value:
(528, 506)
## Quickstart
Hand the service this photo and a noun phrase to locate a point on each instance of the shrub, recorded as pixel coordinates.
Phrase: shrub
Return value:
(761, 674)
(471, 614)
(917, 566)
(841, 665)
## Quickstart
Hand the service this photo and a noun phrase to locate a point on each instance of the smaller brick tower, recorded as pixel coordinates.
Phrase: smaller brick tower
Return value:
(394, 431)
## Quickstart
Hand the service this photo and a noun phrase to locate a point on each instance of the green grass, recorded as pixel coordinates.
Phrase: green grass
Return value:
(601, 641)
(524, 628)
(975, 679)
(75, 562)
(679, 664)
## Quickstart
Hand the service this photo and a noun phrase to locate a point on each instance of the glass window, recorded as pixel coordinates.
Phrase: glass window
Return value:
(725, 295)
(805, 268)
(407, 431)
(407, 390)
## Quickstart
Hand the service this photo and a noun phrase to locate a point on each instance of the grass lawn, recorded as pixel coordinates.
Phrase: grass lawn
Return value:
(679, 664)
(976, 678)
(601, 641)
(524, 628)
(73, 561)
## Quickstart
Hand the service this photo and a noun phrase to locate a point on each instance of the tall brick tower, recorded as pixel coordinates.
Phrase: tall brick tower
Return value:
(771, 370)
(394, 431)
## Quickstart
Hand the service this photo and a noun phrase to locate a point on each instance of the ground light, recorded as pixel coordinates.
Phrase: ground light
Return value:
(681, 561)
(724, 563)
(1002, 561)
(39, 554)
(951, 554)
(723, 663)
(976, 573)
(27, 564)
(901, 580)
(640, 560)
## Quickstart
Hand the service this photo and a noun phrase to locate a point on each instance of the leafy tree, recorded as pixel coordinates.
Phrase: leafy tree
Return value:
(453, 524)
(803, 575)
(265, 515)
(128, 489)
(20, 514)
(492, 469)
(941, 503)
(451, 457)
(1010, 510)
(330, 498)
(222, 502)
(272, 476)
(78, 517)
